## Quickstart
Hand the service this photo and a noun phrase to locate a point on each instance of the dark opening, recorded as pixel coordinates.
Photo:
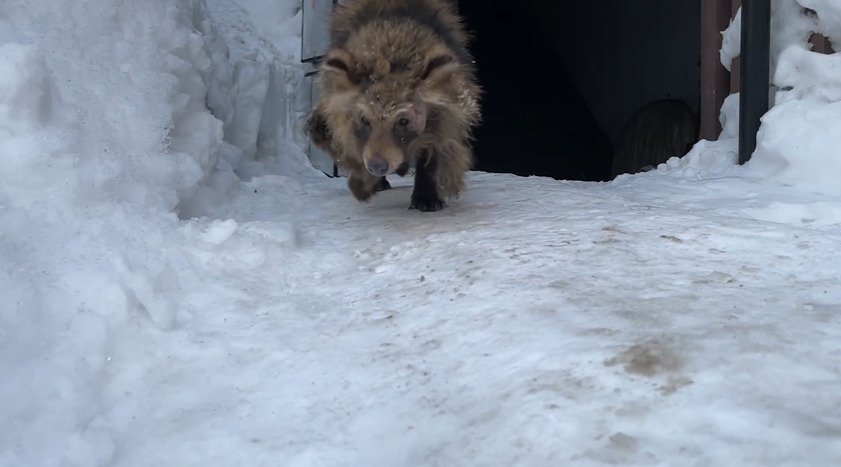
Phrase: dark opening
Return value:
(562, 80)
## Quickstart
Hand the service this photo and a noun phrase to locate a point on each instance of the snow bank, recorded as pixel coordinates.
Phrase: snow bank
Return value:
(101, 127)
(798, 141)
(105, 137)
(711, 158)
(257, 87)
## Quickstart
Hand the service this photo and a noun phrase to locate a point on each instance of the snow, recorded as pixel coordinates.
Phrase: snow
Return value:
(829, 17)
(103, 133)
(797, 142)
(788, 26)
(731, 41)
(181, 288)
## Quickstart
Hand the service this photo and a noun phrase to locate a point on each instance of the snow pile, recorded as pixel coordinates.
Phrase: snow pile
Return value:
(828, 18)
(102, 126)
(711, 158)
(256, 85)
(731, 41)
(798, 141)
(104, 99)
(105, 137)
(789, 25)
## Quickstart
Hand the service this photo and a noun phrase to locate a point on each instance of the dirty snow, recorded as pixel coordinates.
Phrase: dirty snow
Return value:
(649, 321)
(685, 316)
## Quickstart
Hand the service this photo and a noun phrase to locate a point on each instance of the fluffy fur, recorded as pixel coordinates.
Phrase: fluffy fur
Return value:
(398, 88)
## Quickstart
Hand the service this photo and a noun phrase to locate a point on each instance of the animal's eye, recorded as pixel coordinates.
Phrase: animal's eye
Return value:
(365, 121)
(403, 121)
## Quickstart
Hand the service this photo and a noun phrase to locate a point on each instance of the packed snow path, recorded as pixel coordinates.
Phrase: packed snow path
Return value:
(533, 322)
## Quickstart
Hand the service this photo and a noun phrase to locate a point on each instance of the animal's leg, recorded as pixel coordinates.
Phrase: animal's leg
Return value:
(425, 197)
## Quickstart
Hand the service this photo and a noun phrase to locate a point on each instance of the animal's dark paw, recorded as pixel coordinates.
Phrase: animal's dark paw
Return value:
(357, 187)
(426, 203)
(382, 185)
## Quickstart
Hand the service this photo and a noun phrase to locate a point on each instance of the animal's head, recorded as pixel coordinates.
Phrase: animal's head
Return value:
(381, 109)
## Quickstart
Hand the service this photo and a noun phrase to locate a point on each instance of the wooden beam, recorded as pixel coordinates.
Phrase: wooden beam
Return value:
(715, 85)
(821, 44)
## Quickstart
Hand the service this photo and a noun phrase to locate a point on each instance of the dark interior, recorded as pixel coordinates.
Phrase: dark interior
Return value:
(561, 79)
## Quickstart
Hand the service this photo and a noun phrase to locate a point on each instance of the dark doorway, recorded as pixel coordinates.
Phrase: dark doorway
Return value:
(562, 79)
(535, 122)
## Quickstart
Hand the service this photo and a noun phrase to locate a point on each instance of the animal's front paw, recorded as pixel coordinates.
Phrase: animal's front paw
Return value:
(426, 203)
(382, 185)
(359, 190)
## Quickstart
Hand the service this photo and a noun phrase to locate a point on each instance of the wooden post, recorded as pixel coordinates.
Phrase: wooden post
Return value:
(715, 85)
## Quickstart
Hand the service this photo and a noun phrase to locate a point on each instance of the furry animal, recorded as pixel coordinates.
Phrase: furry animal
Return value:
(398, 88)
(657, 131)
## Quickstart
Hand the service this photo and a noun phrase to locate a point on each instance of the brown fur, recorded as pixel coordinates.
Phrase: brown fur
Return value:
(398, 85)
(659, 130)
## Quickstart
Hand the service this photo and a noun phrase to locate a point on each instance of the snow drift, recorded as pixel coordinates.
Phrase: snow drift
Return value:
(798, 141)
(106, 136)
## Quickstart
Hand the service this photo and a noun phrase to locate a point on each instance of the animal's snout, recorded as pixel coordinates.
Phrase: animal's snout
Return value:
(378, 166)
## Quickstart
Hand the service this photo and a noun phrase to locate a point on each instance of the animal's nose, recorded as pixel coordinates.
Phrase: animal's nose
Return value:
(378, 166)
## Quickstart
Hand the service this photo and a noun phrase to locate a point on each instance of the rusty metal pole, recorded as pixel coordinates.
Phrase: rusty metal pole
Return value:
(756, 64)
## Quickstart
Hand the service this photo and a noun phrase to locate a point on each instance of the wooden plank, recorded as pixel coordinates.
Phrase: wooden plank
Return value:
(715, 84)
(821, 44)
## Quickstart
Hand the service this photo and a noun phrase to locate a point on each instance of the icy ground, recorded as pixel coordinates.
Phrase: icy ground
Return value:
(652, 321)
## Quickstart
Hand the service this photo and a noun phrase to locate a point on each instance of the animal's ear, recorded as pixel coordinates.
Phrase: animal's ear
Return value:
(339, 82)
(439, 79)
(438, 66)
(340, 63)
(318, 130)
